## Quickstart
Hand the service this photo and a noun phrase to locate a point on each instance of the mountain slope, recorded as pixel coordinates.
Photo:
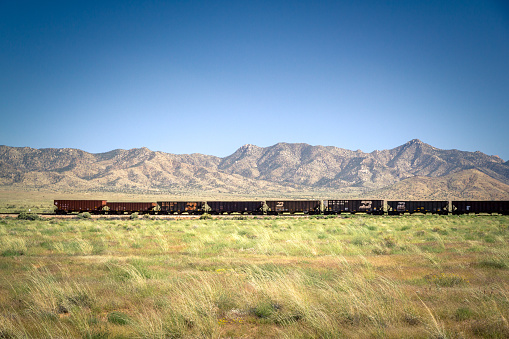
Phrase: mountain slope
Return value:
(282, 168)
(118, 170)
(319, 166)
(465, 185)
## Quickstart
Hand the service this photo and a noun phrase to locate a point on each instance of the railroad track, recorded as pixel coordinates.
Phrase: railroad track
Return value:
(156, 216)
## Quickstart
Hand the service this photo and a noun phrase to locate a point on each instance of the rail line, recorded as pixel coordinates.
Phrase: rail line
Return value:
(160, 216)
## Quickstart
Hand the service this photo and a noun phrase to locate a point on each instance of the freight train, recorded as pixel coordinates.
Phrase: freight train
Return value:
(278, 207)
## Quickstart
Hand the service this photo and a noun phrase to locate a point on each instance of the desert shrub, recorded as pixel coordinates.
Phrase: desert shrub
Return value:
(28, 216)
(133, 216)
(85, 215)
(205, 216)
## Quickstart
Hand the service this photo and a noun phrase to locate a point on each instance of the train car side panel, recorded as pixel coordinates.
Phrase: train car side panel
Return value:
(401, 207)
(249, 207)
(130, 207)
(172, 207)
(354, 206)
(478, 206)
(294, 206)
(70, 206)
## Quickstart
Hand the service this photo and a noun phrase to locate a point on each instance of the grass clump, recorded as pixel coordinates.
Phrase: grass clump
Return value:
(493, 263)
(445, 280)
(265, 309)
(118, 318)
(463, 313)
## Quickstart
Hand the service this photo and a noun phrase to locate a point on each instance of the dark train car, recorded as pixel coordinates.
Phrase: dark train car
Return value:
(465, 207)
(70, 206)
(249, 207)
(179, 207)
(130, 207)
(354, 206)
(294, 206)
(400, 207)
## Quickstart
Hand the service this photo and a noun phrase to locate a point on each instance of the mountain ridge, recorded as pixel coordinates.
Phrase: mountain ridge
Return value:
(281, 168)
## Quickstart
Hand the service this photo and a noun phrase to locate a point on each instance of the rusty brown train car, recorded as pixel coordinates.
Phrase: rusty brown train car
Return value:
(70, 206)
(130, 207)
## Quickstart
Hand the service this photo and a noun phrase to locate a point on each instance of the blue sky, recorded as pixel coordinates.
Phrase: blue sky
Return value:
(211, 76)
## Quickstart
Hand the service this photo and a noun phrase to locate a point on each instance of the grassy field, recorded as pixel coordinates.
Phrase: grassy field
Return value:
(362, 276)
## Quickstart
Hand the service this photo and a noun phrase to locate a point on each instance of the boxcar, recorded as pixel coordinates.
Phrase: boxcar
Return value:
(179, 207)
(70, 206)
(400, 207)
(465, 207)
(354, 206)
(294, 206)
(130, 207)
(249, 207)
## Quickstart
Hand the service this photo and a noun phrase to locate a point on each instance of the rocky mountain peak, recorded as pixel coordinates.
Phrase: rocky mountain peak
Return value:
(248, 148)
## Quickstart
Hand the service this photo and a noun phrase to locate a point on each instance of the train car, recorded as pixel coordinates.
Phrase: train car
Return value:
(130, 207)
(180, 207)
(71, 206)
(401, 207)
(249, 207)
(294, 206)
(477, 206)
(353, 206)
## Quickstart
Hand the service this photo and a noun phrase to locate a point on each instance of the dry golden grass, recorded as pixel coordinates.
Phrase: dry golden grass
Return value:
(356, 277)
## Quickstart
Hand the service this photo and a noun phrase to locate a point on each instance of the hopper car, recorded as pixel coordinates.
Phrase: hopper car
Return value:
(180, 207)
(467, 207)
(402, 207)
(80, 206)
(130, 207)
(353, 206)
(293, 206)
(248, 207)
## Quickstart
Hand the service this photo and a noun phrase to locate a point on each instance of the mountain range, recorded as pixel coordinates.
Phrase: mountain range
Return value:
(410, 171)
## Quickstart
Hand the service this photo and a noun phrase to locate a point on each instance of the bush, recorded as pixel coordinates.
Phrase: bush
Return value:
(133, 216)
(85, 215)
(28, 216)
(205, 216)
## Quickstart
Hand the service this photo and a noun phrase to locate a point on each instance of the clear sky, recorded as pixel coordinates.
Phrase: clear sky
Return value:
(211, 76)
